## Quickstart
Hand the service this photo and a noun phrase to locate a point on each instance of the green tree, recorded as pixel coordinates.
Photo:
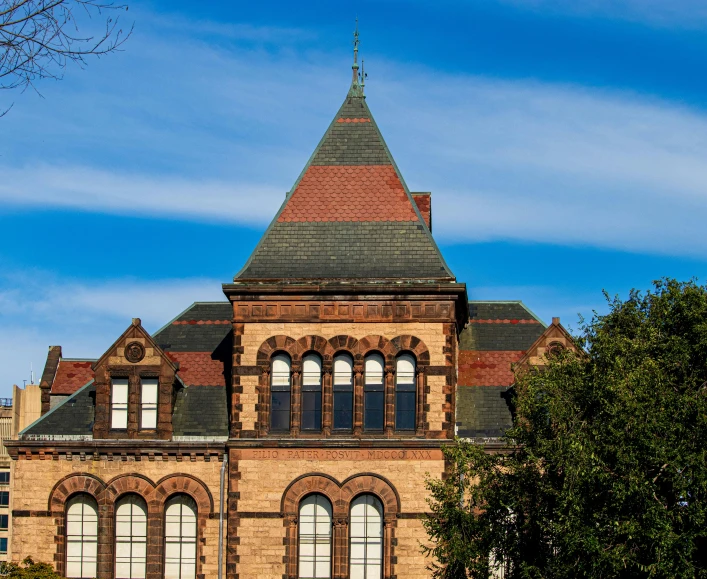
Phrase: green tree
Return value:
(29, 570)
(605, 473)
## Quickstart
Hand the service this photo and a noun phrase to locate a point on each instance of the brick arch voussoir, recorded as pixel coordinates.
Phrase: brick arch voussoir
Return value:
(74, 484)
(277, 343)
(130, 484)
(344, 343)
(371, 483)
(413, 344)
(307, 485)
(370, 344)
(176, 484)
(317, 344)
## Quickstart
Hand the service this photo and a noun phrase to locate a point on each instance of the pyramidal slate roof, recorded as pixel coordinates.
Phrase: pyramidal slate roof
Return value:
(349, 215)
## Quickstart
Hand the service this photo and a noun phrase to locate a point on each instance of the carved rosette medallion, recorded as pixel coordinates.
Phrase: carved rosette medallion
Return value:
(134, 352)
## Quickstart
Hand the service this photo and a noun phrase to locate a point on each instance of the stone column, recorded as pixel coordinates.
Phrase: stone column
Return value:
(296, 400)
(327, 402)
(358, 400)
(389, 401)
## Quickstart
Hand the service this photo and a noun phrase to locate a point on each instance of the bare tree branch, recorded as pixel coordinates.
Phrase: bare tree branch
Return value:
(39, 38)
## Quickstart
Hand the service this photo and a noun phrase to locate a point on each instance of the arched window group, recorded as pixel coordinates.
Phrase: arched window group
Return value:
(343, 400)
(365, 542)
(130, 538)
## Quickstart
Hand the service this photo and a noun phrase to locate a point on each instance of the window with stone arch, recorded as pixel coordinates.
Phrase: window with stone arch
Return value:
(366, 538)
(130, 538)
(280, 392)
(315, 530)
(374, 393)
(180, 538)
(312, 392)
(81, 536)
(343, 392)
(405, 392)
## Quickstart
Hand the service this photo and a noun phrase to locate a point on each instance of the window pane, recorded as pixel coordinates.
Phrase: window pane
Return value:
(180, 538)
(343, 370)
(280, 411)
(130, 538)
(373, 410)
(4, 498)
(81, 536)
(405, 395)
(280, 393)
(343, 410)
(4, 477)
(311, 410)
(311, 370)
(3, 522)
(343, 392)
(405, 410)
(374, 369)
(366, 538)
(148, 403)
(119, 403)
(315, 537)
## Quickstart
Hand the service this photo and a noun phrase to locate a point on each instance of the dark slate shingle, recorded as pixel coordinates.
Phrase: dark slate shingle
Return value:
(72, 418)
(201, 411)
(483, 411)
(346, 250)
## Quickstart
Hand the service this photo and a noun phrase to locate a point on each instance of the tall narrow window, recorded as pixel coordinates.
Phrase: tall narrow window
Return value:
(311, 392)
(343, 392)
(148, 403)
(366, 560)
(280, 393)
(119, 403)
(405, 395)
(180, 538)
(130, 538)
(315, 538)
(373, 393)
(81, 536)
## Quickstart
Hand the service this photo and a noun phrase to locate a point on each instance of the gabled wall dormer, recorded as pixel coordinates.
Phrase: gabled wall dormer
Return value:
(135, 387)
(554, 339)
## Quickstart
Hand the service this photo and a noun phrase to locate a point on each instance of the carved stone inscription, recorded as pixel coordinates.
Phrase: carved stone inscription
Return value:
(339, 454)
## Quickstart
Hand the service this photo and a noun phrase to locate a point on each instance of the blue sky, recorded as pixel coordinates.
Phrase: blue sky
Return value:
(564, 142)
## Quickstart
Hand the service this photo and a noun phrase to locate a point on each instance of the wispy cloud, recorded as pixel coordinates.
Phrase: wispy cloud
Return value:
(505, 160)
(38, 309)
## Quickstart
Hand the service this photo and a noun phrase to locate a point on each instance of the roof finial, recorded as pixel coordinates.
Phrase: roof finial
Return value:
(354, 79)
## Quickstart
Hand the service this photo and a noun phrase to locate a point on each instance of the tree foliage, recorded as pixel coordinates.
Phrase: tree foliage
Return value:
(38, 38)
(29, 570)
(606, 469)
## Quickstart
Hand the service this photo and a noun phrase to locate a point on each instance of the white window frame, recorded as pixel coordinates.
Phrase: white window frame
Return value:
(180, 536)
(366, 538)
(119, 393)
(131, 538)
(149, 397)
(314, 553)
(81, 537)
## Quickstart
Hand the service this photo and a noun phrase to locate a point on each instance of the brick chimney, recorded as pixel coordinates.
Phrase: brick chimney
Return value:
(424, 204)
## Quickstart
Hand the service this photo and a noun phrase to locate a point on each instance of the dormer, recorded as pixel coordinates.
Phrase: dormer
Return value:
(554, 339)
(135, 388)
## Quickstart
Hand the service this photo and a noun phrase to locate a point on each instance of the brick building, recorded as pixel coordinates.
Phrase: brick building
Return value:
(286, 431)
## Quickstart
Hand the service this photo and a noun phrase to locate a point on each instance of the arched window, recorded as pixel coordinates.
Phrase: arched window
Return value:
(343, 392)
(405, 395)
(366, 538)
(81, 536)
(311, 392)
(180, 538)
(130, 538)
(315, 537)
(373, 393)
(280, 393)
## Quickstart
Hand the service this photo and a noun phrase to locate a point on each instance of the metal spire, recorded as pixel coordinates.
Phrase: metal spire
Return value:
(354, 80)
